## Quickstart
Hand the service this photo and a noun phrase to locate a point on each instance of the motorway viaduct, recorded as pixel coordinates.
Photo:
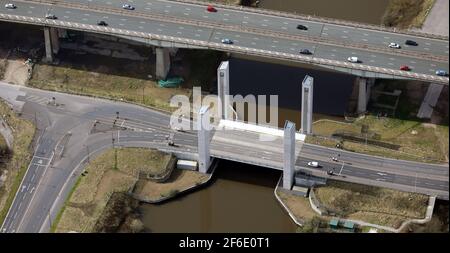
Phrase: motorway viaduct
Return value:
(174, 24)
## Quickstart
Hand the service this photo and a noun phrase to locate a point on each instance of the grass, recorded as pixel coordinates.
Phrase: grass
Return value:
(60, 213)
(417, 142)
(91, 194)
(406, 13)
(99, 83)
(299, 206)
(371, 204)
(16, 165)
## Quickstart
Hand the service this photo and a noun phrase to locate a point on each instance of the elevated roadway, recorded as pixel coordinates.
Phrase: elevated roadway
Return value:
(175, 24)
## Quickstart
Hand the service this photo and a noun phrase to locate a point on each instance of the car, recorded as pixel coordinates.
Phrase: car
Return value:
(227, 41)
(394, 45)
(50, 16)
(211, 8)
(353, 59)
(441, 72)
(102, 23)
(305, 51)
(127, 7)
(405, 68)
(334, 159)
(313, 164)
(411, 43)
(330, 172)
(10, 6)
(302, 27)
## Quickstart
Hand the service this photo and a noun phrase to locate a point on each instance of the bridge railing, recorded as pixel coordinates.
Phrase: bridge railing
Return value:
(244, 29)
(223, 47)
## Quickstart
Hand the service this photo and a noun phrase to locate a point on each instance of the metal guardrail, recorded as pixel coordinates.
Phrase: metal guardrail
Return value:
(317, 19)
(243, 29)
(222, 47)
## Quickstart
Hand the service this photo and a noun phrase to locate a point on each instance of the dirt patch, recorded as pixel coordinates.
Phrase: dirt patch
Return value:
(16, 72)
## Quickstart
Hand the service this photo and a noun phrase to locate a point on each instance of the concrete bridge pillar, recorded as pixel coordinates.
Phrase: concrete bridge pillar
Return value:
(203, 133)
(364, 85)
(162, 62)
(307, 105)
(51, 43)
(223, 88)
(429, 101)
(289, 155)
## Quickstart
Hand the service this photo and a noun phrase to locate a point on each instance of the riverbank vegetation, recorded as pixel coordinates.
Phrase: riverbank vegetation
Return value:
(406, 13)
(14, 163)
(371, 204)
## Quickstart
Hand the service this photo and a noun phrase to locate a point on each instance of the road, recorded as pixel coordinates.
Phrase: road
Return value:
(68, 140)
(256, 34)
(438, 18)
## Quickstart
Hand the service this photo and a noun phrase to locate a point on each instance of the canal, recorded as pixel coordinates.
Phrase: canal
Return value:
(240, 197)
(364, 11)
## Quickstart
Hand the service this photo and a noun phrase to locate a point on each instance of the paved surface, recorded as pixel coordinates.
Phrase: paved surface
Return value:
(276, 35)
(48, 181)
(438, 18)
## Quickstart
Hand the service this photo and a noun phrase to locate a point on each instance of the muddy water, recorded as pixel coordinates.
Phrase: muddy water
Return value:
(239, 199)
(365, 11)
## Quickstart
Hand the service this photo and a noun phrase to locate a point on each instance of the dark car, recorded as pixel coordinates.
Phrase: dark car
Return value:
(305, 51)
(411, 43)
(102, 23)
(302, 27)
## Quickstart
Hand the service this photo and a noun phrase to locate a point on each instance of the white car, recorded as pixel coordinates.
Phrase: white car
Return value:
(394, 45)
(128, 7)
(313, 164)
(353, 59)
(50, 16)
(10, 6)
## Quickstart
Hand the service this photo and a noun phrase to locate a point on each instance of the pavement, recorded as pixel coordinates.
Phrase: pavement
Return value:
(69, 123)
(280, 36)
(437, 21)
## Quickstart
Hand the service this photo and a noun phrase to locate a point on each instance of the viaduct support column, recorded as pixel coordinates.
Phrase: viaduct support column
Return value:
(307, 105)
(162, 62)
(289, 155)
(203, 139)
(48, 45)
(365, 85)
(51, 43)
(223, 88)
(429, 101)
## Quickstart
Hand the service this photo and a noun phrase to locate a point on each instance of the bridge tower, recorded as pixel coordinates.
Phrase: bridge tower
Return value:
(203, 135)
(364, 87)
(289, 155)
(223, 87)
(307, 105)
